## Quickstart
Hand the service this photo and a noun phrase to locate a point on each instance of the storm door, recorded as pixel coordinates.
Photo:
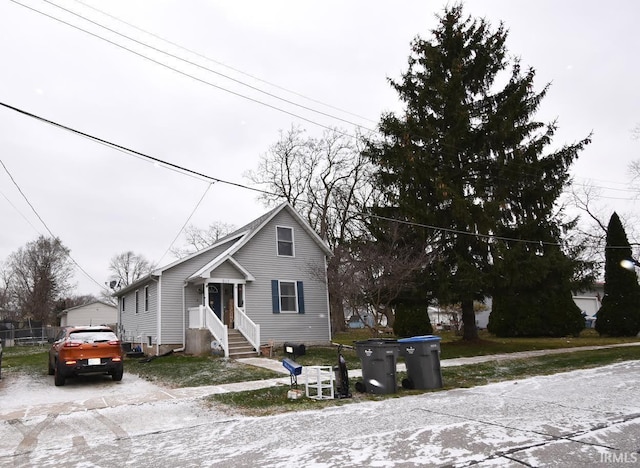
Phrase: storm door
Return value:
(215, 299)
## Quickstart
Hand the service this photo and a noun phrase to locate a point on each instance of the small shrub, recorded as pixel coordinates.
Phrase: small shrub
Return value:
(411, 320)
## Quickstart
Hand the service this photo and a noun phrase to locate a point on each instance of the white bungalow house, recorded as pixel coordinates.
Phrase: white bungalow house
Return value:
(265, 282)
(92, 313)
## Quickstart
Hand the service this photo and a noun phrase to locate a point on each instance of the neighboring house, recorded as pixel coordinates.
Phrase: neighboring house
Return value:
(264, 283)
(589, 303)
(364, 319)
(92, 313)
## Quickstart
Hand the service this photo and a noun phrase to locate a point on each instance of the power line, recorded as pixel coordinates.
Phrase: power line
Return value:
(466, 233)
(134, 153)
(186, 222)
(47, 227)
(248, 98)
(191, 51)
(221, 74)
(203, 67)
(588, 185)
(481, 236)
(186, 171)
(18, 210)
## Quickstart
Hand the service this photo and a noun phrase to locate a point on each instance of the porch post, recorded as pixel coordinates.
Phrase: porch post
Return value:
(205, 292)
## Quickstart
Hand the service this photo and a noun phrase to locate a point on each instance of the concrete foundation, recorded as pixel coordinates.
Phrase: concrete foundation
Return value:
(198, 341)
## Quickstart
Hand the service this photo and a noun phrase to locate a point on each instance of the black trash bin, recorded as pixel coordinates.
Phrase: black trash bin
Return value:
(378, 358)
(422, 357)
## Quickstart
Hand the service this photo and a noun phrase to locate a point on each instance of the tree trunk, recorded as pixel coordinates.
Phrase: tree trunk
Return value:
(469, 321)
(337, 315)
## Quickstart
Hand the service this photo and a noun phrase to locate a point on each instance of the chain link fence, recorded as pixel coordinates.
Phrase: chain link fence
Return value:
(30, 336)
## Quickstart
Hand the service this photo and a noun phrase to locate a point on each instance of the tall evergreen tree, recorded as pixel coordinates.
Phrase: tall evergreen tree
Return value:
(533, 283)
(467, 157)
(619, 314)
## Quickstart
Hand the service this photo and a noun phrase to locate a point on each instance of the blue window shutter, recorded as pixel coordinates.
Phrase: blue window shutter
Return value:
(300, 297)
(275, 296)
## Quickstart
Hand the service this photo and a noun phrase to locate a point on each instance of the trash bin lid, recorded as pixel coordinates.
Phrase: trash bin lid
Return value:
(377, 342)
(419, 339)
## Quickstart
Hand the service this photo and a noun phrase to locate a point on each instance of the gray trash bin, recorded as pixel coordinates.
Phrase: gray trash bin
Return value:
(378, 359)
(422, 357)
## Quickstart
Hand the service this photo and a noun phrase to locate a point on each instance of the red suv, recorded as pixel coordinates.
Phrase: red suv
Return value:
(85, 350)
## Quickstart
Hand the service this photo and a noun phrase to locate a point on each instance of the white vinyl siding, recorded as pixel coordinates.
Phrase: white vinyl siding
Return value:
(259, 257)
(307, 267)
(95, 313)
(228, 271)
(135, 327)
(173, 308)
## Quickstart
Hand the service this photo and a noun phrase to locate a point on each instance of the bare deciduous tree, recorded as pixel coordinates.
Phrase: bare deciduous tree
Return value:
(126, 268)
(327, 180)
(198, 239)
(380, 273)
(40, 275)
(74, 301)
(8, 309)
(591, 230)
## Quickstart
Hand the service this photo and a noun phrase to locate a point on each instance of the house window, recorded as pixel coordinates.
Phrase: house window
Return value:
(146, 298)
(285, 241)
(287, 297)
(137, 301)
(288, 301)
(122, 304)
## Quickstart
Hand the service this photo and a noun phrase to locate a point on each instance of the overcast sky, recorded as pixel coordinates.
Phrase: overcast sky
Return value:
(101, 201)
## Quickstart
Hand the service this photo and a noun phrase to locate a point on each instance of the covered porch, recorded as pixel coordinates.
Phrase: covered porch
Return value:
(217, 303)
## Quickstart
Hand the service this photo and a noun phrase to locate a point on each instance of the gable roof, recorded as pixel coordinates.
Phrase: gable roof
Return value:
(247, 232)
(239, 238)
(65, 311)
(206, 270)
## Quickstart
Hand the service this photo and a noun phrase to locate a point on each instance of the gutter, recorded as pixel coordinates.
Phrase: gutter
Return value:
(184, 322)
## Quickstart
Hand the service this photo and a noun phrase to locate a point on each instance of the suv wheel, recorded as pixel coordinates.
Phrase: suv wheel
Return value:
(117, 374)
(59, 377)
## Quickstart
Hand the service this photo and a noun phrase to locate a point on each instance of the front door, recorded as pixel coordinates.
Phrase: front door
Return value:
(227, 298)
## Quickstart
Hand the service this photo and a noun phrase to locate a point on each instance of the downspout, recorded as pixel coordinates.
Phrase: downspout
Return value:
(326, 282)
(159, 336)
(184, 322)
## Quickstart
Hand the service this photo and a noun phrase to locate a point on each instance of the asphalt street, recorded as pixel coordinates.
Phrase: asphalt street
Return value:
(575, 419)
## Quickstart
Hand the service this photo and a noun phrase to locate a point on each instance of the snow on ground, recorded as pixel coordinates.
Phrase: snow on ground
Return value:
(579, 418)
(19, 390)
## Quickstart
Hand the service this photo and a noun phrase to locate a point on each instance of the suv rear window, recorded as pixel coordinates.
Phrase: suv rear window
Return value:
(94, 336)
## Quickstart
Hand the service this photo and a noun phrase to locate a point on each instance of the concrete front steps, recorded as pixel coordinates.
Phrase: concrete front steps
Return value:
(239, 347)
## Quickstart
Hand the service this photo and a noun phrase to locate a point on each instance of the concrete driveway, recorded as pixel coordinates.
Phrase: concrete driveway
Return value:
(581, 418)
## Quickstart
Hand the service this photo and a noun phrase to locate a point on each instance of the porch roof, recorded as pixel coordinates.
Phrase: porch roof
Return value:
(205, 271)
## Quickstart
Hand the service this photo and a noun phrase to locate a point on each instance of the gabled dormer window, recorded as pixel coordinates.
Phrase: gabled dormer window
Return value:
(284, 237)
